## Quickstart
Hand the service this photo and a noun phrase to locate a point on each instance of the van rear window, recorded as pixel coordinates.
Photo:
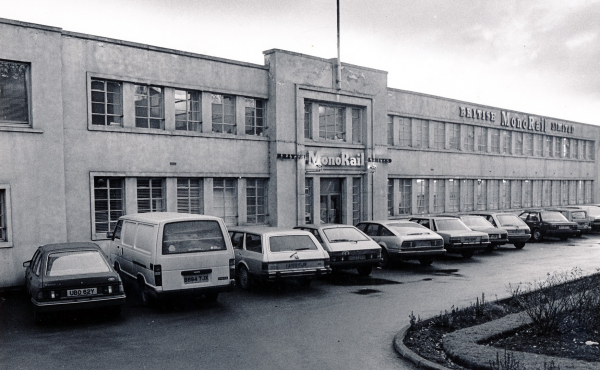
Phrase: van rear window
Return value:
(192, 236)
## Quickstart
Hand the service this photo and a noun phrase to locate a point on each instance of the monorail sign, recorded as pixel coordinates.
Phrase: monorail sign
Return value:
(507, 120)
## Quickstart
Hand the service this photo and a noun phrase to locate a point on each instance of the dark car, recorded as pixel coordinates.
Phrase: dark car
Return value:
(548, 223)
(577, 215)
(497, 235)
(458, 238)
(72, 276)
(593, 212)
(518, 231)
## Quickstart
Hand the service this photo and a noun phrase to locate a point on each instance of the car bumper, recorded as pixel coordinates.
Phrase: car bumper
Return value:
(79, 304)
(355, 264)
(498, 241)
(560, 233)
(460, 248)
(521, 238)
(415, 255)
(293, 274)
(162, 294)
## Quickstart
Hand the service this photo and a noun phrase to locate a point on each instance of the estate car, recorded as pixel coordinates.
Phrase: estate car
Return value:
(518, 231)
(348, 247)
(497, 235)
(548, 223)
(577, 215)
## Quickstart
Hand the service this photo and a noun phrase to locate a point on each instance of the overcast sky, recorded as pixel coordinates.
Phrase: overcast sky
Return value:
(536, 56)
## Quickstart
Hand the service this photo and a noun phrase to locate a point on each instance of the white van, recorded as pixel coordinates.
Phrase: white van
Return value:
(169, 252)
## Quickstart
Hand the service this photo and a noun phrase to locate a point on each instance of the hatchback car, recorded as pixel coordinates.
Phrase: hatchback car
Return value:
(548, 223)
(404, 240)
(274, 254)
(72, 276)
(577, 215)
(593, 215)
(347, 246)
(458, 238)
(497, 235)
(518, 231)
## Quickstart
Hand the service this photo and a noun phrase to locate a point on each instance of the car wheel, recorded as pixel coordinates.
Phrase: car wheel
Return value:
(385, 259)
(426, 261)
(244, 278)
(563, 238)
(536, 235)
(490, 248)
(468, 254)
(211, 297)
(364, 270)
(519, 245)
(144, 295)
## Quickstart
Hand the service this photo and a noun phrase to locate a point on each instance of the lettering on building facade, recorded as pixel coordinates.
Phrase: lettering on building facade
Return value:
(344, 159)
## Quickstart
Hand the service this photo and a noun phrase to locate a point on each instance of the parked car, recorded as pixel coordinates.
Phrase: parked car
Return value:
(458, 238)
(72, 276)
(518, 231)
(275, 254)
(594, 216)
(497, 235)
(174, 254)
(577, 215)
(347, 246)
(548, 223)
(404, 240)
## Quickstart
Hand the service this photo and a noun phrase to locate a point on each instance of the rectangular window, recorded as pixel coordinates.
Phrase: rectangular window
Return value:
(439, 137)
(188, 110)
(574, 149)
(256, 201)
(481, 195)
(505, 194)
(482, 133)
(537, 193)
(566, 147)
(14, 100)
(356, 200)
(556, 192)
(107, 103)
(405, 196)
(528, 144)
(307, 120)
(580, 191)
(109, 203)
(549, 152)
(390, 130)
(390, 195)
(405, 134)
(590, 151)
(150, 195)
(454, 131)
(453, 195)
(357, 125)
(439, 195)
(572, 192)
(149, 107)
(493, 194)
(558, 147)
(516, 193)
(468, 195)
(255, 117)
(588, 192)
(527, 193)
(308, 201)
(422, 196)
(3, 229)
(332, 123)
(506, 141)
(539, 145)
(225, 200)
(223, 114)
(422, 127)
(581, 151)
(495, 140)
(469, 138)
(547, 193)
(518, 137)
(190, 195)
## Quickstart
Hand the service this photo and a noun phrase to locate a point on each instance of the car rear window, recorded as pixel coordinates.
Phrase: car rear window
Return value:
(476, 221)
(578, 215)
(192, 236)
(451, 224)
(553, 216)
(286, 243)
(510, 220)
(75, 263)
(343, 234)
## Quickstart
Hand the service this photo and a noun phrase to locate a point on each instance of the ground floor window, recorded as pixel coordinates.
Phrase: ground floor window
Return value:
(467, 195)
(422, 189)
(356, 200)
(481, 195)
(331, 201)
(405, 197)
(225, 200)
(390, 199)
(453, 195)
(256, 201)
(150, 195)
(308, 201)
(438, 193)
(190, 195)
(3, 231)
(109, 203)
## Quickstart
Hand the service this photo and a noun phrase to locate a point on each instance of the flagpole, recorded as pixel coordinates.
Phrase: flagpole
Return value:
(339, 64)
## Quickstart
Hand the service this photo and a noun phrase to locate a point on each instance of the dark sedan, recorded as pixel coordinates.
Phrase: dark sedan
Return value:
(72, 276)
(548, 223)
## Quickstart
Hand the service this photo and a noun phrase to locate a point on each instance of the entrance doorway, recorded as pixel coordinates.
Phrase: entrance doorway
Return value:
(331, 201)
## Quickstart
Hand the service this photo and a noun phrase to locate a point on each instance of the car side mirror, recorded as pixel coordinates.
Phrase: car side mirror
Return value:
(110, 234)
(26, 263)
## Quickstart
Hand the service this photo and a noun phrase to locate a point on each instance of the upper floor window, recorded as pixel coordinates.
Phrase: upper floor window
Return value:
(307, 120)
(390, 130)
(223, 114)
(574, 148)
(405, 132)
(356, 125)
(539, 145)
(14, 108)
(518, 143)
(107, 103)
(495, 140)
(149, 107)
(469, 138)
(454, 133)
(507, 137)
(482, 139)
(3, 231)
(255, 117)
(549, 151)
(331, 123)
(439, 137)
(188, 110)
(528, 144)
(422, 127)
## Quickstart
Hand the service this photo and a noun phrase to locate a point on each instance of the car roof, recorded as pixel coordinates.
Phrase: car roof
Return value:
(69, 246)
(387, 222)
(267, 230)
(323, 226)
(444, 217)
(158, 217)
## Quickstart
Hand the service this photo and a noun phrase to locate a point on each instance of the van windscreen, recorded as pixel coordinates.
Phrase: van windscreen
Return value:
(192, 236)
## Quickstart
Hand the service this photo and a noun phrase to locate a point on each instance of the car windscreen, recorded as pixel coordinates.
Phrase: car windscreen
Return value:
(343, 234)
(75, 263)
(553, 216)
(408, 226)
(510, 220)
(192, 236)
(476, 222)
(450, 224)
(287, 243)
(578, 215)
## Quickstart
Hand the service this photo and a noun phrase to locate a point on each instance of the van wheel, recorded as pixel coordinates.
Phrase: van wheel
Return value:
(244, 278)
(144, 295)
(519, 245)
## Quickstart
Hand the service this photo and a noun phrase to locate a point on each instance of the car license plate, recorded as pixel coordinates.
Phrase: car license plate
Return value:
(564, 227)
(81, 292)
(194, 279)
(296, 265)
(469, 240)
(357, 257)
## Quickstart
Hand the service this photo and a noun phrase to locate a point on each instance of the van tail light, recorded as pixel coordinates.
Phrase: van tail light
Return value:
(232, 268)
(158, 275)
(265, 266)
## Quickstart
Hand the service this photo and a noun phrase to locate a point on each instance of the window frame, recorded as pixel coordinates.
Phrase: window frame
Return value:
(224, 113)
(254, 128)
(95, 233)
(26, 67)
(184, 194)
(256, 201)
(189, 112)
(149, 118)
(105, 103)
(153, 205)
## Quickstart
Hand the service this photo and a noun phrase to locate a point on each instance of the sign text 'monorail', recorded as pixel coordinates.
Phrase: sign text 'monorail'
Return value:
(344, 159)
(507, 120)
